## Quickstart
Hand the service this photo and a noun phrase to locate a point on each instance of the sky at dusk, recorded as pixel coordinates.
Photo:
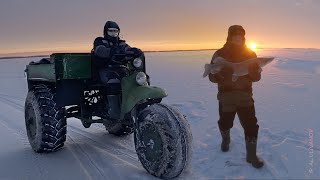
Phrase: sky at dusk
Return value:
(72, 25)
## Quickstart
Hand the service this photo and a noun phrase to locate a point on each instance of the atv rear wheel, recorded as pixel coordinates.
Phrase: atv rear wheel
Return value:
(46, 124)
(163, 141)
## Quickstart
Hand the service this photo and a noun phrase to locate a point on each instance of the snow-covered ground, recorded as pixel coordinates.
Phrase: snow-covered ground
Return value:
(287, 102)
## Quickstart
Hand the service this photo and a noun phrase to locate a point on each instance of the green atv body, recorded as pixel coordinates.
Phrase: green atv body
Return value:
(71, 74)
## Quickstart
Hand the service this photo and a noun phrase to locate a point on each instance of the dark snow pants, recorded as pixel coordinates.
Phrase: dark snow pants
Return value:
(241, 104)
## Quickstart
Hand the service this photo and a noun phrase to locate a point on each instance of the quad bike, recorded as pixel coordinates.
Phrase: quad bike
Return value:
(63, 86)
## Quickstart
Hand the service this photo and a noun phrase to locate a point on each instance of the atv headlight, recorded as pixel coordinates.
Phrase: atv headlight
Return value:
(137, 63)
(141, 78)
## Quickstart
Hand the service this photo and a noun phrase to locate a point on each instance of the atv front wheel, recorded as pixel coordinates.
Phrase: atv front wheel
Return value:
(45, 123)
(163, 141)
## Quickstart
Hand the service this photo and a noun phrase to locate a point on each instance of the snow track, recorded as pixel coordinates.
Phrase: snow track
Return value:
(84, 147)
(21, 136)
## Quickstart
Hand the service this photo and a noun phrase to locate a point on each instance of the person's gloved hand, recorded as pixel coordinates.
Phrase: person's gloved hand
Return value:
(136, 52)
(254, 68)
(254, 72)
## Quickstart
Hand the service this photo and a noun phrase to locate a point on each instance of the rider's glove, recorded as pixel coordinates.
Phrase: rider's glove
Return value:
(102, 51)
(136, 52)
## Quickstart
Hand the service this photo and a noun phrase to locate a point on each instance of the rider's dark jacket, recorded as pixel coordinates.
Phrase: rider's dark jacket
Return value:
(114, 46)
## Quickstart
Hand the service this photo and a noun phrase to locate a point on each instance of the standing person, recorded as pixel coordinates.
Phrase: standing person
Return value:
(235, 97)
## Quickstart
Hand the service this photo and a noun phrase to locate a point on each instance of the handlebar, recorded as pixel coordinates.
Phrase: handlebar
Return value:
(126, 57)
(123, 58)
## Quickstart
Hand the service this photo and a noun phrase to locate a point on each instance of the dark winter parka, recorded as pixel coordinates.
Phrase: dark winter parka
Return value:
(235, 54)
(232, 94)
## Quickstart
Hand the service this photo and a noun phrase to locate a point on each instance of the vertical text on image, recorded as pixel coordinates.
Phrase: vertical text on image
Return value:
(310, 149)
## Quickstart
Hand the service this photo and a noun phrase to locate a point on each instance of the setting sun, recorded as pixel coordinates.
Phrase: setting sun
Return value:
(253, 46)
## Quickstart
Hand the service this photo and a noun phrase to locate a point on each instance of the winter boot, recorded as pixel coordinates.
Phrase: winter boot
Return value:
(251, 146)
(225, 140)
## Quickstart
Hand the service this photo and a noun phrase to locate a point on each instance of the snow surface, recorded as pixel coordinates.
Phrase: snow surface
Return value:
(287, 102)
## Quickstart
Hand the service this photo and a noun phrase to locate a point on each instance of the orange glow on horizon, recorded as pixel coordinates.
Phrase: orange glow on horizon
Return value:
(86, 46)
(143, 45)
(170, 46)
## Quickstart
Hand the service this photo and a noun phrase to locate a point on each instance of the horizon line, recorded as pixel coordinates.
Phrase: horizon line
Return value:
(148, 51)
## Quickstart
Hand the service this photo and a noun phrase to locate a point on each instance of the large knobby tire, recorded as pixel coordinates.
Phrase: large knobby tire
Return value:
(45, 123)
(163, 141)
(120, 129)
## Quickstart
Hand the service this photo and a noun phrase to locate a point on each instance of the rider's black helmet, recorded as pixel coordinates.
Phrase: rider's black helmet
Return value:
(110, 24)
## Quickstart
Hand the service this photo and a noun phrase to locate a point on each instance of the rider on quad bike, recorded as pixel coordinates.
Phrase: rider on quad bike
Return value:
(107, 53)
(116, 94)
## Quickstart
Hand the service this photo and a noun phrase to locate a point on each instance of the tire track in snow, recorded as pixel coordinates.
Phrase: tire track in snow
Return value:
(28, 169)
(11, 96)
(20, 108)
(89, 159)
(12, 104)
(22, 136)
(110, 146)
(111, 151)
(115, 152)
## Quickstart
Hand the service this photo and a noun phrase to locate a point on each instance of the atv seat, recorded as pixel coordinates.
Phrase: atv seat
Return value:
(42, 61)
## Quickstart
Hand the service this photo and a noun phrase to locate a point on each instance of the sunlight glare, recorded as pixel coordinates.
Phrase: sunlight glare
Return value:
(253, 46)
